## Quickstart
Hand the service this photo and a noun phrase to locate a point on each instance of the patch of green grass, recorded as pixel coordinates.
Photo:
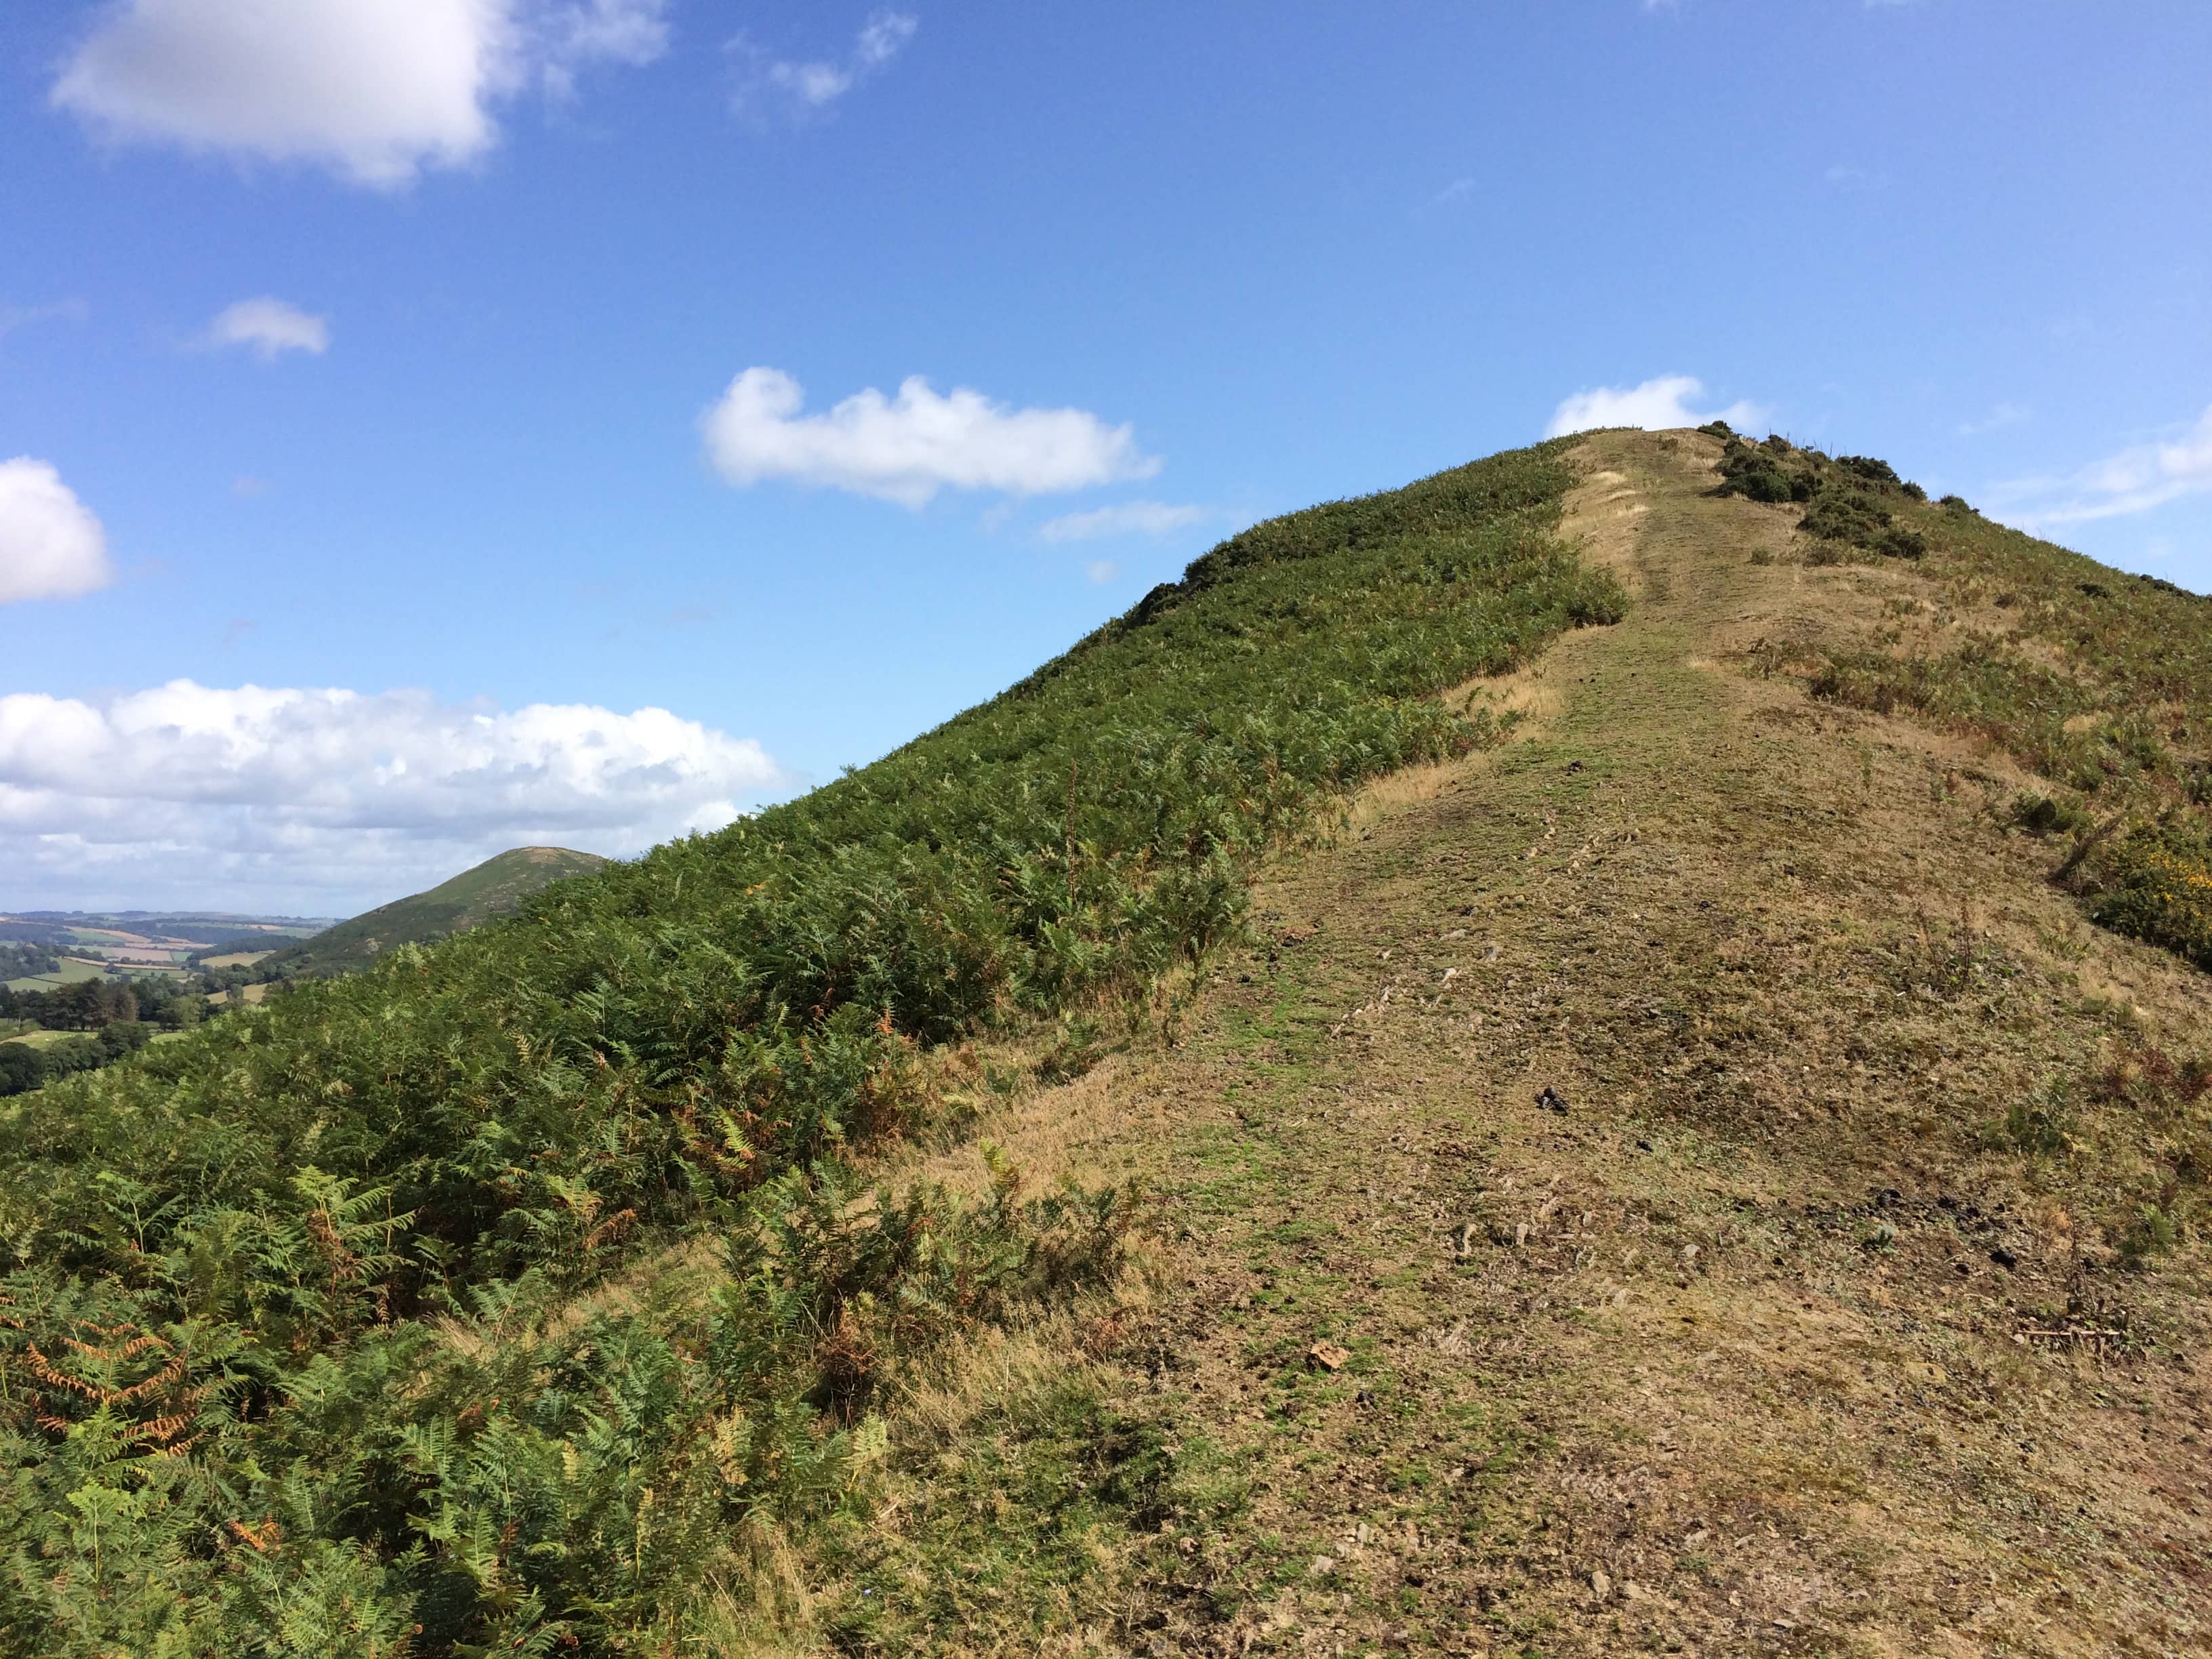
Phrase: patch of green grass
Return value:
(72, 969)
(1034, 1517)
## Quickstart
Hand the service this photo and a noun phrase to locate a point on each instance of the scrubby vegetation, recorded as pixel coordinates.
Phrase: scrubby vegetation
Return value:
(520, 1295)
(2100, 681)
(2155, 883)
(1848, 498)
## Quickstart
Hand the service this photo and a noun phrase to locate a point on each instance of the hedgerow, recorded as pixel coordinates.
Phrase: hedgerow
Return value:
(503, 1297)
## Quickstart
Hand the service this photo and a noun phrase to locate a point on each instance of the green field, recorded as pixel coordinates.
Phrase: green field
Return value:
(72, 968)
(42, 1039)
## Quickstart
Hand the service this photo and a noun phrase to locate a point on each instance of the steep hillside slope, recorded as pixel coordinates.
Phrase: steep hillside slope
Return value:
(496, 887)
(1553, 1139)
(1687, 1181)
(528, 1292)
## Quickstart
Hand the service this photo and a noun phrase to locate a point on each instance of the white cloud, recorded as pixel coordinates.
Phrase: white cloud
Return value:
(188, 788)
(2134, 480)
(1656, 405)
(51, 547)
(376, 89)
(906, 449)
(814, 83)
(1125, 518)
(268, 326)
(1101, 570)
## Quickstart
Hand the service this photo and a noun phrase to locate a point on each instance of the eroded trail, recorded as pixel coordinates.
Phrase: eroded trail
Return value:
(1758, 1345)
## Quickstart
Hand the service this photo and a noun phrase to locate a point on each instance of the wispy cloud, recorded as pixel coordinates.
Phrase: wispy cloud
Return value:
(1125, 518)
(51, 546)
(1102, 571)
(2132, 480)
(2004, 414)
(816, 83)
(1656, 405)
(269, 327)
(907, 448)
(61, 311)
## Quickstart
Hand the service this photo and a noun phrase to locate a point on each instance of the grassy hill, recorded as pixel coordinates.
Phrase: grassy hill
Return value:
(1599, 1053)
(494, 888)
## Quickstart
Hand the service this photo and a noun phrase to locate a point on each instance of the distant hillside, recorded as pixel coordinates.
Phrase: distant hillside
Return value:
(493, 887)
(42, 949)
(68, 928)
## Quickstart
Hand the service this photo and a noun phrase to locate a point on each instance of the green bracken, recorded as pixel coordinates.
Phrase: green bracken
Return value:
(521, 1294)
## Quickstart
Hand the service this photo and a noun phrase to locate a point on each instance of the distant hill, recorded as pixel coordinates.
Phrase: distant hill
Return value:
(68, 928)
(42, 949)
(469, 900)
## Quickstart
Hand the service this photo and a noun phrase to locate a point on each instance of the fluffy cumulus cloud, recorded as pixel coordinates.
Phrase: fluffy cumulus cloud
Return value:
(268, 327)
(51, 547)
(907, 448)
(189, 790)
(814, 83)
(377, 89)
(2134, 480)
(1655, 406)
(1123, 519)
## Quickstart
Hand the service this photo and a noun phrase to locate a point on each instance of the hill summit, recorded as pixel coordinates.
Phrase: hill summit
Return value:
(1603, 1053)
(494, 887)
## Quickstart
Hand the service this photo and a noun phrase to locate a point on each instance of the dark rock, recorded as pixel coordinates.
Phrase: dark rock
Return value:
(2003, 1257)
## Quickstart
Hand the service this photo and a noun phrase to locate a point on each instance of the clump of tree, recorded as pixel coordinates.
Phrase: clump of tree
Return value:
(119, 1016)
(23, 1068)
(20, 959)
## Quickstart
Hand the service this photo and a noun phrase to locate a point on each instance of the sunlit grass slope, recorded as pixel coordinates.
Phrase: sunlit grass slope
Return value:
(516, 1294)
(2098, 681)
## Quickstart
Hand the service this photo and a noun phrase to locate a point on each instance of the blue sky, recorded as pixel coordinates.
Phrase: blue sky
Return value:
(378, 356)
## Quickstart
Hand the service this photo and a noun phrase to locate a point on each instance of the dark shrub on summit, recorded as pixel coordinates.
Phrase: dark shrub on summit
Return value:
(1873, 470)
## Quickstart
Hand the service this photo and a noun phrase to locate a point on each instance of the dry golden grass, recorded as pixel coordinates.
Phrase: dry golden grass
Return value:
(1720, 1360)
(1772, 1343)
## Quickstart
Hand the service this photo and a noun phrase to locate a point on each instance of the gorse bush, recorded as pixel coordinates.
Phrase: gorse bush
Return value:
(1846, 496)
(2156, 884)
(501, 1298)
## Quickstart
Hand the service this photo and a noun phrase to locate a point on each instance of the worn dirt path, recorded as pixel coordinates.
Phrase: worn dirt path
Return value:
(1725, 1356)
